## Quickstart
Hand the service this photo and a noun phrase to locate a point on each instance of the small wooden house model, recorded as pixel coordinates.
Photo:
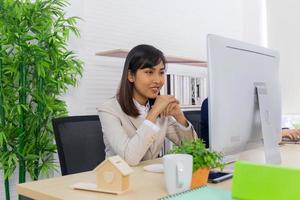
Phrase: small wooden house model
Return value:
(113, 175)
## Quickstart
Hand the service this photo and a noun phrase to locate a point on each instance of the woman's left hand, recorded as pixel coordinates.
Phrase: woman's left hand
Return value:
(173, 109)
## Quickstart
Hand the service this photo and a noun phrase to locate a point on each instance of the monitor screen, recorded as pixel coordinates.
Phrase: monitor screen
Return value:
(236, 69)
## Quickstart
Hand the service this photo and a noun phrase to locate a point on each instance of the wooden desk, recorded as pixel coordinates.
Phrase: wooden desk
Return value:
(143, 185)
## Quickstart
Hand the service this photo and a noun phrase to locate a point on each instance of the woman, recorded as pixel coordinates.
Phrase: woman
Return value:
(136, 122)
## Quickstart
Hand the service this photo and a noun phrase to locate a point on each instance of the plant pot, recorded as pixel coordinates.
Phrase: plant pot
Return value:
(200, 177)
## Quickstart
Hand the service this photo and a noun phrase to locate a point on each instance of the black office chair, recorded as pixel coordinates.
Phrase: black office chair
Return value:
(194, 116)
(79, 141)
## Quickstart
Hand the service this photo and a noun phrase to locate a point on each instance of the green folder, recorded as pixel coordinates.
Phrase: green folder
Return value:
(205, 193)
(265, 182)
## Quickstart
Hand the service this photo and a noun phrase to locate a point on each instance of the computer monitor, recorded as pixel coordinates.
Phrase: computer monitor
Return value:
(244, 98)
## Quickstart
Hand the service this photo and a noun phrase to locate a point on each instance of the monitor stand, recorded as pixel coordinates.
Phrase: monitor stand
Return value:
(270, 140)
(271, 147)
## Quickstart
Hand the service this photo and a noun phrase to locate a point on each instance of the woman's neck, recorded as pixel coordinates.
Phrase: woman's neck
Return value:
(141, 101)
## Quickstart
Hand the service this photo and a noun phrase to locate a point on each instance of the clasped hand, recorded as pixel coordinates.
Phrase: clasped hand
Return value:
(167, 105)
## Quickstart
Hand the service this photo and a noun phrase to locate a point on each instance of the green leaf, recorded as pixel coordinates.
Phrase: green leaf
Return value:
(31, 157)
(3, 139)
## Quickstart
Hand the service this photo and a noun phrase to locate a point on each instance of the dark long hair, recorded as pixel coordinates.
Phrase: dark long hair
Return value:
(140, 57)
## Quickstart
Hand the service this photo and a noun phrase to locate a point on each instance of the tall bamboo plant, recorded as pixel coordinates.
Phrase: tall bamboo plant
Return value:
(36, 67)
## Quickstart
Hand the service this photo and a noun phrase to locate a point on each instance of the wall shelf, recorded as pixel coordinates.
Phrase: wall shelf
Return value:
(122, 53)
(190, 107)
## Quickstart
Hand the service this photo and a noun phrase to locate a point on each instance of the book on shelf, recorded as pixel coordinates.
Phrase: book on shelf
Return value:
(190, 91)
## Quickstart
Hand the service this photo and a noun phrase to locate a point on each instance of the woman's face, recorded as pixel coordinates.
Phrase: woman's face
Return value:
(147, 82)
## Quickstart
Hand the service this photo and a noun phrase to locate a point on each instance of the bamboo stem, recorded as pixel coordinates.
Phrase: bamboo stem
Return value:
(40, 110)
(21, 138)
(7, 192)
(2, 122)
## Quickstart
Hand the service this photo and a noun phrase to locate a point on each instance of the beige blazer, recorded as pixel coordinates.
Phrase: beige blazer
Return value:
(132, 139)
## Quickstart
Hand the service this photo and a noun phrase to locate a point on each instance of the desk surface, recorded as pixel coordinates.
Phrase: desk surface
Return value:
(143, 185)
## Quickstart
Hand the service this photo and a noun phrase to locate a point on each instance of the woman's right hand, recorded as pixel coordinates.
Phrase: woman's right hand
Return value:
(161, 103)
(292, 134)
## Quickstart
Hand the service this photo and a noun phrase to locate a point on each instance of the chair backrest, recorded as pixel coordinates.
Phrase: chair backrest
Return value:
(194, 116)
(79, 141)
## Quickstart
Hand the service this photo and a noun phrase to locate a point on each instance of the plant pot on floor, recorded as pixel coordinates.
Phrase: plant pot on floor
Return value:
(199, 177)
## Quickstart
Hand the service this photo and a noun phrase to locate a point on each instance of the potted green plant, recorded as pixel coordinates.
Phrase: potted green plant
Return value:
(203, 160)
(36, 68)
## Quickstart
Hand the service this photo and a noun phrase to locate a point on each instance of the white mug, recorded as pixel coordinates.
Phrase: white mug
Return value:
(178, 170)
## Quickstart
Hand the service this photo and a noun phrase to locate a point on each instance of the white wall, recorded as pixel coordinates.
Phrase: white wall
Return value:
(284, 35)
(174, 26)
